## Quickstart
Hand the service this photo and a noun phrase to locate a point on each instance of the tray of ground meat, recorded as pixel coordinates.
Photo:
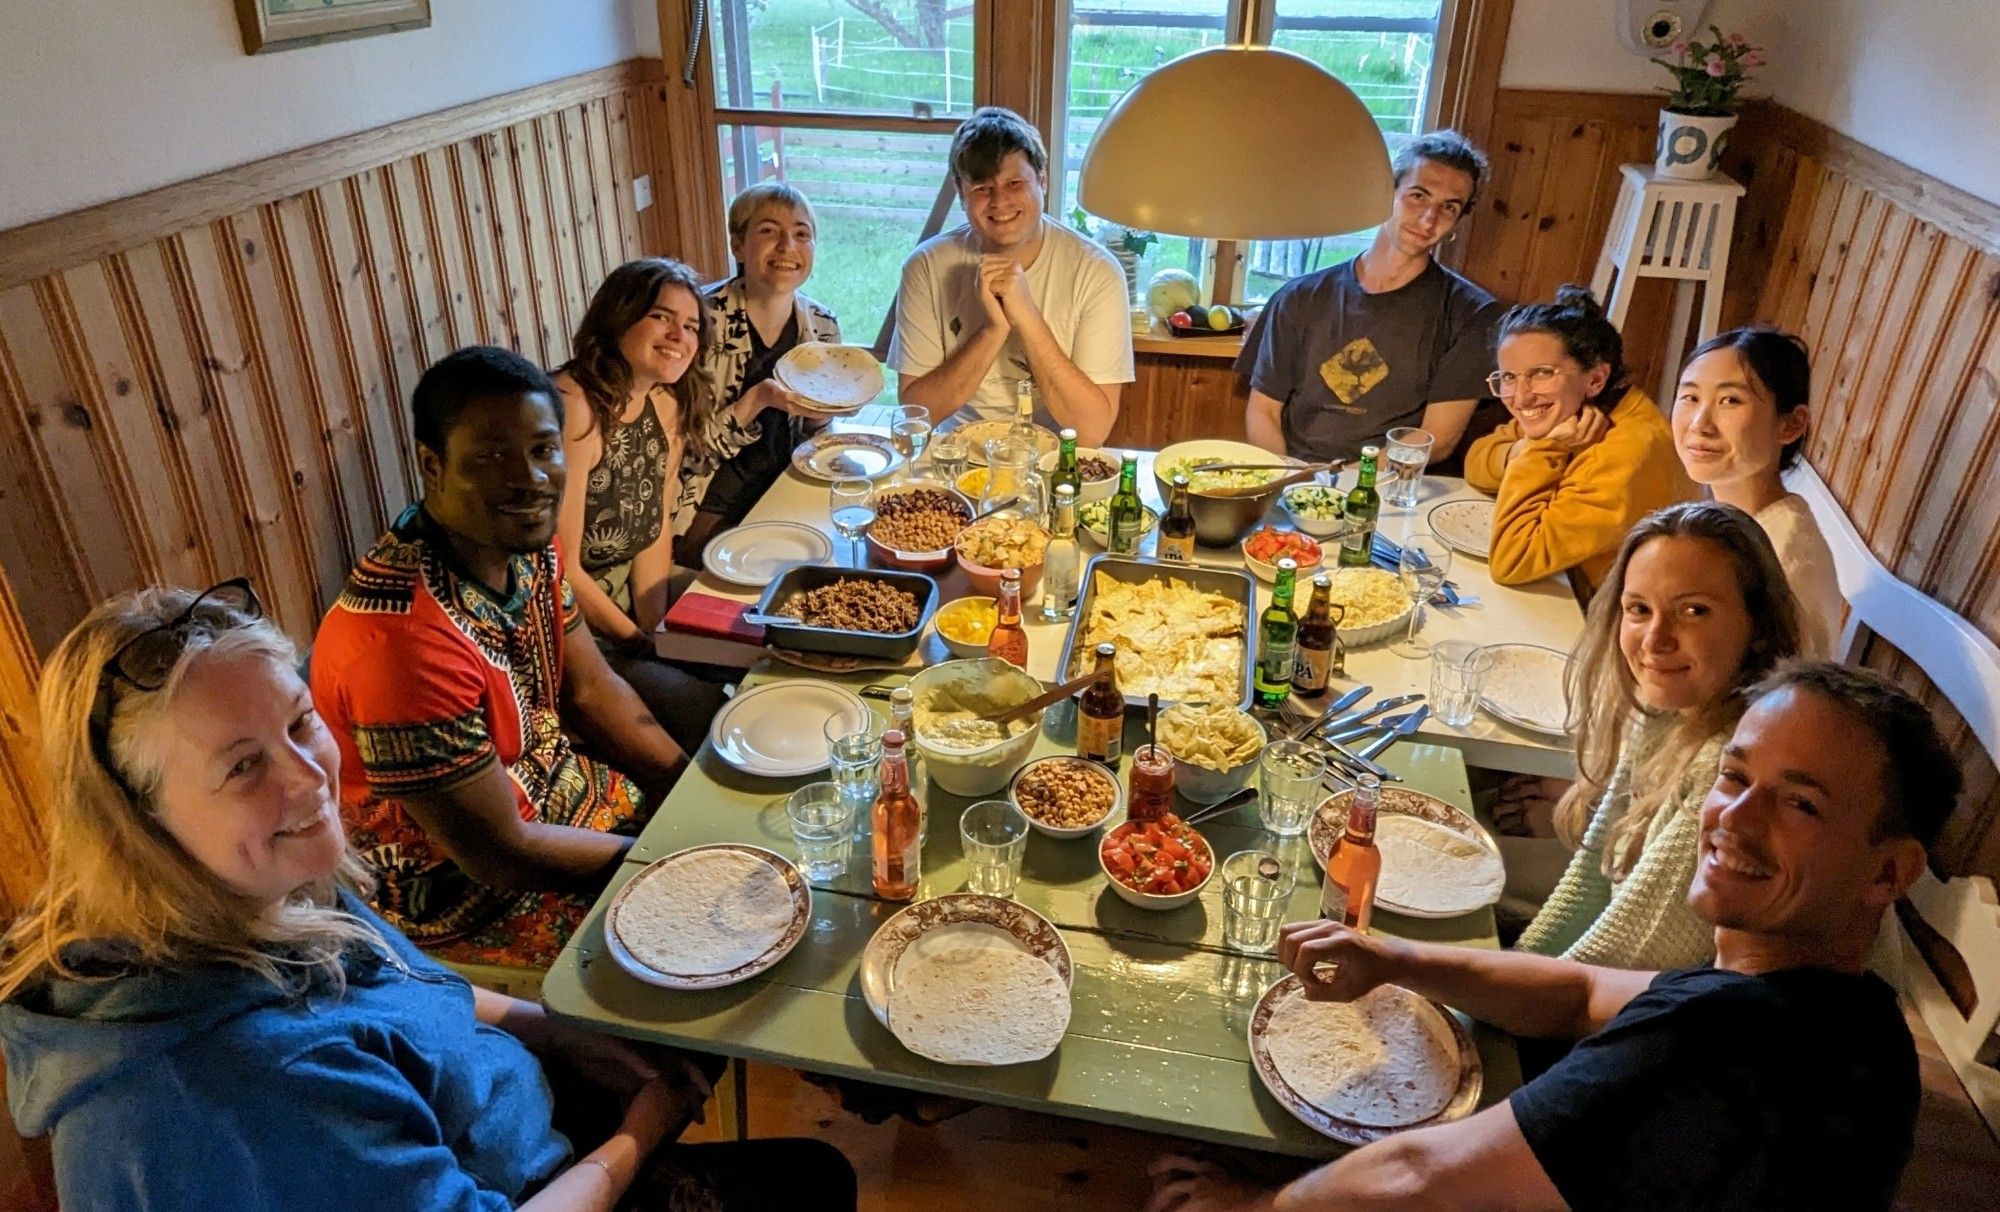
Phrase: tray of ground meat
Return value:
(848, 611)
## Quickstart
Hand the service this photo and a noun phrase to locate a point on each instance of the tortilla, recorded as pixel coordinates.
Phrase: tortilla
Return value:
(1385, 1060)
(709, 913)
(1433, 868)
(838, 376)
(980, 1006)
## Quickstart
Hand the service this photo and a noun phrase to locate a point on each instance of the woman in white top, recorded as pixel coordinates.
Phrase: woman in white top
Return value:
(1740, 421)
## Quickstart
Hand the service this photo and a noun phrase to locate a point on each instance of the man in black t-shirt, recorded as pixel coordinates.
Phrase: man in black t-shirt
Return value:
(1782, 1078)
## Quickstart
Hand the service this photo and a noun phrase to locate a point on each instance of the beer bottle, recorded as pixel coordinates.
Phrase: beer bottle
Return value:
(1357, 546)
(1352, 870)
(1176, 541)
(1277, 639)
(1100, 713)
(1316, 640)
(1008, 640)
(1066, 472)
(897, 823)
(1125, 518)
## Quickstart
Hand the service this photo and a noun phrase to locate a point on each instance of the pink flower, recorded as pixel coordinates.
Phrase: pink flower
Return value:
(1753, 59)
(1737, 39)
(1716, 67)
(1681, 49)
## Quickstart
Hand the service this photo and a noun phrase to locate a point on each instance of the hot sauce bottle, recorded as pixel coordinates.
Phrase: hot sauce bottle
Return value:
(897, 824)
(1009, 641)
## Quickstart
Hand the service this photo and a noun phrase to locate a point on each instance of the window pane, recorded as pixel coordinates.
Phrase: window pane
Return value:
(912, 57)
(1382, 49)
(1113, 43)
(871, 192)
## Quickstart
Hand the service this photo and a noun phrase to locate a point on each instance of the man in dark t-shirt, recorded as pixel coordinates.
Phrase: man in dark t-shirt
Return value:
(1390, 338)
(1782, 1078)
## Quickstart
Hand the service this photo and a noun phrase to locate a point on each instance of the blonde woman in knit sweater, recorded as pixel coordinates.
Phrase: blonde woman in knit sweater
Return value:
(1585, 455)
(1695, 609)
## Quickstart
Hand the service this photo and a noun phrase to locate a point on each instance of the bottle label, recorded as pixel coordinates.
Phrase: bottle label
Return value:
(1100, 738)
(1309, 669)
(1275, 669)
(1333, 901)
(1176, 549)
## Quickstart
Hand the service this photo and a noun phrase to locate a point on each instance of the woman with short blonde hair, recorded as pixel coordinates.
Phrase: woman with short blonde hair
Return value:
(203, 1012)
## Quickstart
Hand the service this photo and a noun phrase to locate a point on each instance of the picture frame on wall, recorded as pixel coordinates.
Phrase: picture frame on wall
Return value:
(271, 25)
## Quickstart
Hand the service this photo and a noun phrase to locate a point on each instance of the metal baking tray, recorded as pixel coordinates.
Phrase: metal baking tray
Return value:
(1232, 583)
(893, 646)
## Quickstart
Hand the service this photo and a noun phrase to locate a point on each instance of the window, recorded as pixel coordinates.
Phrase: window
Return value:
(911, 58)
(1382, 49)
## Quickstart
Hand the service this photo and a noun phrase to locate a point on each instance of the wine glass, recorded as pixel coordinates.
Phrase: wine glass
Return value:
(853, 511)
(911, 432)
(1423, 566)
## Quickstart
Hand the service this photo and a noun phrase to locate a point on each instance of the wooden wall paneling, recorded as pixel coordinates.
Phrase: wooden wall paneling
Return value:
(623, 132)
(389, 290)
(1500, 256)
(1855, 325)
(537, 225)
(684, 136)
(618, 233)
(486, 285)
(517, 262)
(23, 840)
(37, 545)
(1842, 292)
(382, 381)
(442, 209)
(413, 260)
(573, 149)
(1960, 532)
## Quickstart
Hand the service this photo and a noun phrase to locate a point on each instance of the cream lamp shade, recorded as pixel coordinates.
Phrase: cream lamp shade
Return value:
(1239, 143)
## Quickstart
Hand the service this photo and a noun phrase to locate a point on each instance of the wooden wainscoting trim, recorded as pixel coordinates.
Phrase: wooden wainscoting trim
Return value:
(1642, 109)
(22, 855)
(37, 249)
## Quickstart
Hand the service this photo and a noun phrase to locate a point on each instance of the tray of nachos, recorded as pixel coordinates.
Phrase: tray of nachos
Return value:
(1182, 631)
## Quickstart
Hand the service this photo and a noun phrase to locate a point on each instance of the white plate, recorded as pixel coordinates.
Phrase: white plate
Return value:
(1329, 821)
(754, 555)
(979, 433)
(834, 456)
(780, 947)
(1464, 1100)
(947, 923)
(1525, 687)
(830, 377)
(777, 729)
(1465, 526)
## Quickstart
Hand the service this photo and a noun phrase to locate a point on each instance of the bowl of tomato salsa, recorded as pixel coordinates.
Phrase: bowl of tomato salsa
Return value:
(1263, 550)
(1156, 864)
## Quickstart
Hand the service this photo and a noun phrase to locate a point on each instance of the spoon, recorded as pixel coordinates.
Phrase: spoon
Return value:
(1043, 700)
(1299, 476)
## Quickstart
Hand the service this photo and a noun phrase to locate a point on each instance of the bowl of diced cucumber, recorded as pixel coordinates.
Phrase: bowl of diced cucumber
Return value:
(1315, 509)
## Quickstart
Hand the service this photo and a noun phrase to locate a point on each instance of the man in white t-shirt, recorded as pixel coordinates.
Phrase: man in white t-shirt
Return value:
(1011, 296)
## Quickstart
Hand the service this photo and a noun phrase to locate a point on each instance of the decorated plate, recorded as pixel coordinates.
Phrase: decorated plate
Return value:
(708, 916)
(755, 554)
(834, 456)
(1525, 687)
(776, 731)
(979, 433)
(830, 377)
(1452, 1046)
(1465, 525)
(1330, 821)
(948, 923)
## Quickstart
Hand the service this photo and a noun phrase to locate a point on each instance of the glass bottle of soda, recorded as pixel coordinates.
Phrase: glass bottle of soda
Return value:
(897, 823)
(1176, 542)
(1352, 870)
(1100, 712)
(1008, 640)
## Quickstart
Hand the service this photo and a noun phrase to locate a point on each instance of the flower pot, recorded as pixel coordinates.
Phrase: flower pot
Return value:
(1691, 145)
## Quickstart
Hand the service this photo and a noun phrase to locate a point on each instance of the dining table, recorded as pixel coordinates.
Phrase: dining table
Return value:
(1161, 1004)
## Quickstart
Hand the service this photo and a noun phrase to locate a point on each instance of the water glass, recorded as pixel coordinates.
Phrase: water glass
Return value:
(995, 834)
(851, 507)
(1256, 888)
(1288, 774)
(1422, 566)
(1409, 453)
(823, 830)
(1458, 674)
(949, 457)
(911, 432)
(855, 750)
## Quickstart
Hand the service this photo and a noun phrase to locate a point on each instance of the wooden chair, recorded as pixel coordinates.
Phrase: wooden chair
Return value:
(1941, 949)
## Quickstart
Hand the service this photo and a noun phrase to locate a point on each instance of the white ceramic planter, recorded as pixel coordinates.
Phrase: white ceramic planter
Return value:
(1690, 146)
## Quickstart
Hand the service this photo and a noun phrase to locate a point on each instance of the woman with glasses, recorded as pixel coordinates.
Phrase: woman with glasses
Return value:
(202, 1009)
(1585, 455)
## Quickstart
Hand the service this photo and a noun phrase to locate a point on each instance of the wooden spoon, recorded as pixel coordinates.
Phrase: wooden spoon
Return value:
(1044, 699)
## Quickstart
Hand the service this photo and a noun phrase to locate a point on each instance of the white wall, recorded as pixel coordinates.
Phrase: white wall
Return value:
(104, 98)
(1574, 44)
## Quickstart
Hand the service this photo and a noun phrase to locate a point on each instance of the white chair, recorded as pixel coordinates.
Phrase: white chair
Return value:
(1964, 912)
(1668, 228)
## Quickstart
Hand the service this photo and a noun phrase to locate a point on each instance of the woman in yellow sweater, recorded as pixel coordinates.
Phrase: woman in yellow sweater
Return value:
(1586, 454)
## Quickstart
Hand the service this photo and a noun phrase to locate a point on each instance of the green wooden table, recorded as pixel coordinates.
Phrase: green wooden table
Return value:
(1156, 1036)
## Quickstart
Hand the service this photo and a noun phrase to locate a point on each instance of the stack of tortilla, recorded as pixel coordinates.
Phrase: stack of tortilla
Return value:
(833, 378)
(1433, 869)
(704, 912)
(1385, 1060)
(979, 1006)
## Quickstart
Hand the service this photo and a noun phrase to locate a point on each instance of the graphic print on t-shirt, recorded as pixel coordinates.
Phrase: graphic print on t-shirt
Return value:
(1354, 372)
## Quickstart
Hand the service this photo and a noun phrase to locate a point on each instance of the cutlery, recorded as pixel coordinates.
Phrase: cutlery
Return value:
(1388, 554)
(996, 507)
(1355, 761)
(1340, 704)
(1361, 731)
(1217, 809)
(1369, 713)
(1408, 726)
(1299, 476)
(1052, 695)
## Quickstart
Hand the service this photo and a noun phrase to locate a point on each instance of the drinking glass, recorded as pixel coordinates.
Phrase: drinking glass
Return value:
(1423, 566)
(822, 828)
(911, 432)
(1458, 674)
(995, 834)
(1409, 453)
(1256, 887)
(949, 457)
(1288, 774)
(854, 747)
(853, 510)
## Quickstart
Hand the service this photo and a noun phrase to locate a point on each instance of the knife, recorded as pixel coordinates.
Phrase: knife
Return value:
(1340, 704)
(1361, 732)
(1408, 726)
(1341, 756)
(1355, 717)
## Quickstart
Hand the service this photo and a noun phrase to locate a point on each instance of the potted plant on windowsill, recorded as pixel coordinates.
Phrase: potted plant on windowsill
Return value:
(1127, 244)
(1701, 107)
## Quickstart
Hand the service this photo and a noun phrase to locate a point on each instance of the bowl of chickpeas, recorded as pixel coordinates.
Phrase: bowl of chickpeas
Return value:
(1066, 796)
(915, 525)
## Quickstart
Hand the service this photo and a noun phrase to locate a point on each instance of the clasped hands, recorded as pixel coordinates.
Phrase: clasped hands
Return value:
(1003, 291)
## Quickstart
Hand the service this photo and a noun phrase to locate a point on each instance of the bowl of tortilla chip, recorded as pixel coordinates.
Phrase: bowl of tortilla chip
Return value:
(1215, 748)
